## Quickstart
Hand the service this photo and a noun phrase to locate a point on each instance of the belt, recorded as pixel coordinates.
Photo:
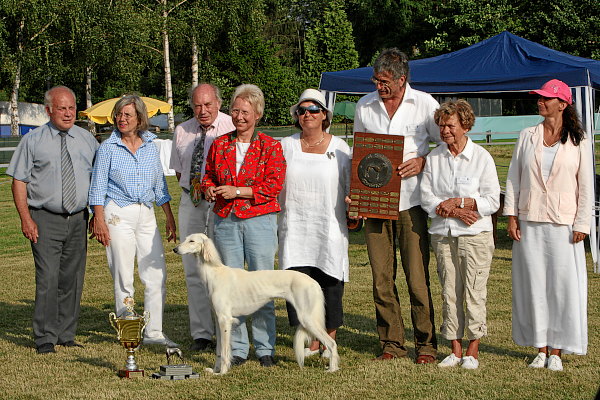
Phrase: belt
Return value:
(55, 213)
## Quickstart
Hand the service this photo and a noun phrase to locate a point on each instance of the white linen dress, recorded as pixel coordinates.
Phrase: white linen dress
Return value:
(312, 222)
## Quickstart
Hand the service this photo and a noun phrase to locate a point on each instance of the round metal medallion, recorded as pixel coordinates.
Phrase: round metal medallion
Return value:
(375, 170)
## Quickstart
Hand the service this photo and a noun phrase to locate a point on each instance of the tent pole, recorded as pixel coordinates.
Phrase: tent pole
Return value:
(585, 108)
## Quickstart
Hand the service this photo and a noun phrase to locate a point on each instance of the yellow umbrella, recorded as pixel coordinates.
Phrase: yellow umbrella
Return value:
(101, 112)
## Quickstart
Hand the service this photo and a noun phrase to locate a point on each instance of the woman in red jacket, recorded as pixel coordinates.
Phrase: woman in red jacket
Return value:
(245, 170)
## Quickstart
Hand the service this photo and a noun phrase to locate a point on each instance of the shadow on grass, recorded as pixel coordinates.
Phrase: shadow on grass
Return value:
(97, 362)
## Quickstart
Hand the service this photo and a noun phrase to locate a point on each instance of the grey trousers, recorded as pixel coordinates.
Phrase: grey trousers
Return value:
(59, 256)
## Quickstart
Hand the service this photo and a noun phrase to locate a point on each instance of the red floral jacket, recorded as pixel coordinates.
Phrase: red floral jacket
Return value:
(263, 170)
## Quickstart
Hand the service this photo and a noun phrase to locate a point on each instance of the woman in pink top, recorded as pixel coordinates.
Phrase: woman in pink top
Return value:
(548, 203)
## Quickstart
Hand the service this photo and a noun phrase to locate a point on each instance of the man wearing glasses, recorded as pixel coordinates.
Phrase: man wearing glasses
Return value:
(397, 109)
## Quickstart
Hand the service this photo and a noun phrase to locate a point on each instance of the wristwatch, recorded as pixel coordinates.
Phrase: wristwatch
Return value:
(237, 192)
(462, 202)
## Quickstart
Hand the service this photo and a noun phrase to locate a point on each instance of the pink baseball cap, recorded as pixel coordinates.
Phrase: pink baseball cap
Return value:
(555, 88)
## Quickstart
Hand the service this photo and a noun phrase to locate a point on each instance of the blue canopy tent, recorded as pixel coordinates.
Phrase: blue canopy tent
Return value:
(502, 63)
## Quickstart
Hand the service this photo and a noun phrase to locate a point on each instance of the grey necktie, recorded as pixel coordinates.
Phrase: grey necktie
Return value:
(69, 194)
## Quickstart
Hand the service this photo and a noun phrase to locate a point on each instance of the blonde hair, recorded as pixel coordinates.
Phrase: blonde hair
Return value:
(140, 110)
(253, 95)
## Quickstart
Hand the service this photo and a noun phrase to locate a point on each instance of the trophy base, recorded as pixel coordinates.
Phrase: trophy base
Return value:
(193, 375)
(175, 372)
(125, 373)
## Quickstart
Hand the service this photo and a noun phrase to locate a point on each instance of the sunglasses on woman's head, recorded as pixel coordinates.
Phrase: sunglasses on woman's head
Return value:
(313, 109)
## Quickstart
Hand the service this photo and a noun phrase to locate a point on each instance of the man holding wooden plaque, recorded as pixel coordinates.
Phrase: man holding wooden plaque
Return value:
(397, 109)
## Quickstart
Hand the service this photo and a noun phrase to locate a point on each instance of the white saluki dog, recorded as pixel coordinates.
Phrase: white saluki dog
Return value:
(236, 292)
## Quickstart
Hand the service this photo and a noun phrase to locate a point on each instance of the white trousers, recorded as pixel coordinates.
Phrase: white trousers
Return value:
(134, 234)
(195, 220)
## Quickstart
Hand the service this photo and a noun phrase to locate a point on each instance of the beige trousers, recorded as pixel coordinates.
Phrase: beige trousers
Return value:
(463, 265)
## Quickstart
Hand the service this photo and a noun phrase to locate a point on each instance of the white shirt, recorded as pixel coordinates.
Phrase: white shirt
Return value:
(471, 174)
(240, 154)
(185, 138)
(413, 120)
(548, 156)
(312, 222)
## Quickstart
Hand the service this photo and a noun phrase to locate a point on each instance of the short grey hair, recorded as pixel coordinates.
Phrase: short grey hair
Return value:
(392, 61)
(48, 96)
(140, 110)
(212, 85)
(253, 95)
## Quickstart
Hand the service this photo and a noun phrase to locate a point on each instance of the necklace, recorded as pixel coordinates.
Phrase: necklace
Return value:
(315, 144)
(550, 145)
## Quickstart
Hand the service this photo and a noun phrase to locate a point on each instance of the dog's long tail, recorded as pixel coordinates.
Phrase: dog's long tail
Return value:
(301, 338)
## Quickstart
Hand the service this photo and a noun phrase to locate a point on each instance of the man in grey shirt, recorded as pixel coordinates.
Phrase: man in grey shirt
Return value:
(51, 171)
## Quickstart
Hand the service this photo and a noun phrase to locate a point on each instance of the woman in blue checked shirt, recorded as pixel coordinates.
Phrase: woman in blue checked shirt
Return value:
(127, 180)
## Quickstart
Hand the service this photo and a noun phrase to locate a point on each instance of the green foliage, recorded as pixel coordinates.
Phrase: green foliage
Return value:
(281, 45)
(380, 24)
(329, 44)
(258, 65)
(571, 26)
(470, 22)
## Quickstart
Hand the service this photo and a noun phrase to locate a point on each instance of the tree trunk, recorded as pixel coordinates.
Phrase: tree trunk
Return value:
(14, 102)
(194, 62)
(14, 95)
(168, 87)
(88, 97)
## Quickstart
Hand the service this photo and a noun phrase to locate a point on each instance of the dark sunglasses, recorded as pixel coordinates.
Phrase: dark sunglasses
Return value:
(313, 109)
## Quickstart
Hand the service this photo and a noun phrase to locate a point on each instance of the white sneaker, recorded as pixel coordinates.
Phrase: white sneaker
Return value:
(326, 353)
(160, 340)
(450, 361)
(540, 361)
(555, 363)
(469, 362)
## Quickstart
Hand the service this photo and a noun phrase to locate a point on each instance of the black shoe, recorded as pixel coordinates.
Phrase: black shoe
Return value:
(237, 360)
(46, 348)
(71, 343)
(201, 344)
(266, 361)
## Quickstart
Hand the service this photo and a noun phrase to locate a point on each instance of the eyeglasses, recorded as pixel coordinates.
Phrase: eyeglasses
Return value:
(125, 116)
(377, 81)
(313, 109)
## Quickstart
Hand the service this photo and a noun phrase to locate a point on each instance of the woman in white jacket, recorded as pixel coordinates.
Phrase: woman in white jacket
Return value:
(548, 203)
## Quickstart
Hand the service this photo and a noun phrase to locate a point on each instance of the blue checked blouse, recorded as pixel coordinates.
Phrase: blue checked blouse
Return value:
(127, 178)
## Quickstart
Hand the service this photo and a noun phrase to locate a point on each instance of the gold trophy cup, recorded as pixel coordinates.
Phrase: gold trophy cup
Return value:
(130, 327)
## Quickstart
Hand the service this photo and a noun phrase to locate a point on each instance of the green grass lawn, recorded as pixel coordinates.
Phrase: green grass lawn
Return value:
(90, 373)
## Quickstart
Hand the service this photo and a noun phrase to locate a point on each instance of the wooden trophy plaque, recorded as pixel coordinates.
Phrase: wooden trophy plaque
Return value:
(375, 183)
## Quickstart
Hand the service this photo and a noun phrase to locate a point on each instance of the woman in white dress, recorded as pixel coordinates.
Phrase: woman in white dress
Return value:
(548, 203)
(313, 235)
